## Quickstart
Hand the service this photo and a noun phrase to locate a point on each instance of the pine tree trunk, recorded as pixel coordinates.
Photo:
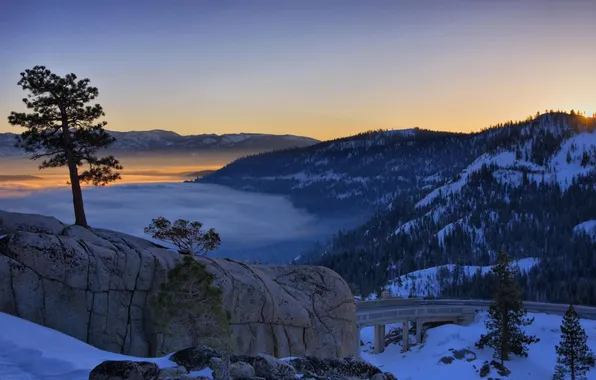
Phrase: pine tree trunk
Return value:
(77, 194)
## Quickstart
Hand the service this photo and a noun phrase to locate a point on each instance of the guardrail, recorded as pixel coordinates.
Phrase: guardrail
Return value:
(366, 307)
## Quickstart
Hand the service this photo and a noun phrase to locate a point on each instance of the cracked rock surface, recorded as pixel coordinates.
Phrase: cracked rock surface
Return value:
(94, 285)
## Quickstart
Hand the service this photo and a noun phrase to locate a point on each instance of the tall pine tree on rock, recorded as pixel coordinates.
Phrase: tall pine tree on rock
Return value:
(506, 315)
(574, 357)
(64, 129)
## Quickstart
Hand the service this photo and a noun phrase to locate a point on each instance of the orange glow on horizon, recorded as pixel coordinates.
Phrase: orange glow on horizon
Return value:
(26, 178)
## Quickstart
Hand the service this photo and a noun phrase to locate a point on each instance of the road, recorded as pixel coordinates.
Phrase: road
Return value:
(365, 307)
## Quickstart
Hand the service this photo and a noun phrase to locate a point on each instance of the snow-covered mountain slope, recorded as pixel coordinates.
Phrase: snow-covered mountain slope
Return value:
(527, 192)
(159, 140)
(430, 281)
(370, 171)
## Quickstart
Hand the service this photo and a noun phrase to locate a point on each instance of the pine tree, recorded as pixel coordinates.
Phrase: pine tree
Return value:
(574, 357)
(585, 159)
(65, 129)
(188, 302)
(506, 315)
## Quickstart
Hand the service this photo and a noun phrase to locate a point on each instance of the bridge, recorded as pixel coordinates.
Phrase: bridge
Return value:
(379, 313)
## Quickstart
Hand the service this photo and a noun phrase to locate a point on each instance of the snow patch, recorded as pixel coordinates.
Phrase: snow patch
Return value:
(425, 282)
(587, 227)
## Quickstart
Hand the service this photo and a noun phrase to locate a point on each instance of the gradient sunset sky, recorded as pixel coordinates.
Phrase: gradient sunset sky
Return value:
(319, 68)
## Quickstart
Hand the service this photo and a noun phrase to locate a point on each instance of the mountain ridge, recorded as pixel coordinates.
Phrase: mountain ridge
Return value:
(532, 193)
(167, 141)
(345, 175)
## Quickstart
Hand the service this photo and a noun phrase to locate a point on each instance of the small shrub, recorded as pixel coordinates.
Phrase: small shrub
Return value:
(188, 237)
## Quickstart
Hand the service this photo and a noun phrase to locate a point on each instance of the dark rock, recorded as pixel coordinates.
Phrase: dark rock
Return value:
(172, 373)
(464, 353)
(348, 367)
(195, 358)
(242, 370)
(394, 336)
(485, 369)
(447, 359)
(501, 369)
(267, 366)
(124, 370)
(383, 376)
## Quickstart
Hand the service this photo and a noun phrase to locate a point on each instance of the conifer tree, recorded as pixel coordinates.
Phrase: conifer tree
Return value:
(188, 302)
(506, 315)
(574, 357)
(64, 128)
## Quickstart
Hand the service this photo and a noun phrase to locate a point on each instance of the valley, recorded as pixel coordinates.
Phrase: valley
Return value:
(282, 190)
(377, 205)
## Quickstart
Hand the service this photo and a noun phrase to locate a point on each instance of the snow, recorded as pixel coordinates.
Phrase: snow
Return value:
(235, 138)
(406, 227)
(556, 170)
(305, 179)
(445, 231)
(588, 227)
(433, 178)
(503, 159)
(425, 282)
(565, 172)
(422, 361)
(32, 352)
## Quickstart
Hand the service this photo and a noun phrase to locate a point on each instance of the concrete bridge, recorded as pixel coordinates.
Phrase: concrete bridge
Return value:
(379, 313)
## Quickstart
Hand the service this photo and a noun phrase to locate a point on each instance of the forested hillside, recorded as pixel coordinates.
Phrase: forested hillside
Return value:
(532, 192)
(357, 174)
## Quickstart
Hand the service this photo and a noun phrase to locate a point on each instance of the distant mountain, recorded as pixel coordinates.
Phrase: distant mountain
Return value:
(159, 141)
(354, 175)
(436, 198)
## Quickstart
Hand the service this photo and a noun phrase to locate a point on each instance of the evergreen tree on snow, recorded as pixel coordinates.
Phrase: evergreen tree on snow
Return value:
(506, 315)
(574, 357)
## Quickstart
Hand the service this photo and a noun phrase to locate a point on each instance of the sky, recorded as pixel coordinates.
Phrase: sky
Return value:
(324, 68)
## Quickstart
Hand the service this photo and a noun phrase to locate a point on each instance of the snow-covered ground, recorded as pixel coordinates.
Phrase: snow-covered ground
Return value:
(32, 352)
(422, 361)
(425, 282)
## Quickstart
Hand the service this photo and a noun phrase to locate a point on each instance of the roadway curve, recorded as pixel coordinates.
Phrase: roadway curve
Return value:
(586, 312)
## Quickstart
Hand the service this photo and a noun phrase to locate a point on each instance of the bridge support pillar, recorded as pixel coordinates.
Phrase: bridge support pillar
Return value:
(379, 339)
(405, 336)
(357, 342)
(419, 323)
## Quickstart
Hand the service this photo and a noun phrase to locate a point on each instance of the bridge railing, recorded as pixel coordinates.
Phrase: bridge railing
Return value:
(587, 312)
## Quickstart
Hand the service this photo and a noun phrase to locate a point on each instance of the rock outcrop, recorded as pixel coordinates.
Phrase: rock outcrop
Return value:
(93, 284)
(210, 362)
